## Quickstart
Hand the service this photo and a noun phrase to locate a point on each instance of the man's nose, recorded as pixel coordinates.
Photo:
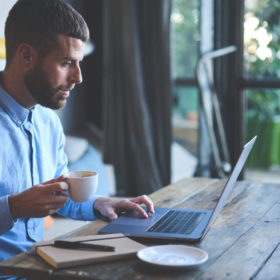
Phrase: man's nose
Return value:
(77, 75)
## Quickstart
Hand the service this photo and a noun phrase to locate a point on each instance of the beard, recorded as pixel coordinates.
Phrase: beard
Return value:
(39, 86)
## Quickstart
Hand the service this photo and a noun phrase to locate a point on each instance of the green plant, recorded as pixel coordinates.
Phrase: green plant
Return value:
(263, 105)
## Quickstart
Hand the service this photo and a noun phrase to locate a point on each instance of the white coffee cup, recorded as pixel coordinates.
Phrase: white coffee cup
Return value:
(82, 185)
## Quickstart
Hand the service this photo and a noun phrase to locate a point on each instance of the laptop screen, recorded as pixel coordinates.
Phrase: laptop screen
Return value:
(231, 181)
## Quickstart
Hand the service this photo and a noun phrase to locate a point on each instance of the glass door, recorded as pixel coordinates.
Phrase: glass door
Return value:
(262, 87)
(185, 38)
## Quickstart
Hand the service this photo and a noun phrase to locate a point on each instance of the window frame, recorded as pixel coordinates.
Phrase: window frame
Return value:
(230, 80)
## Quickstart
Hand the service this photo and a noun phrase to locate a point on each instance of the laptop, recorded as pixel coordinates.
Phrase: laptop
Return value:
(176, 223)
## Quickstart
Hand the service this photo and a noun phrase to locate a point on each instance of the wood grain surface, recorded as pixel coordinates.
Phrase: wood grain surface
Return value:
(243, 242)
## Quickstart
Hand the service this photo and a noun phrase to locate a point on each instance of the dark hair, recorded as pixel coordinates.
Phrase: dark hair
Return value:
(39, 22)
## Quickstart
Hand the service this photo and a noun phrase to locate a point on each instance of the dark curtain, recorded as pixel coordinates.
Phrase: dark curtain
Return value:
(137, 93)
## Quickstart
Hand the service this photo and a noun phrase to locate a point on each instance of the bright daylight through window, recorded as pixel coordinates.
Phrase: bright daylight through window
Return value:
(185, 36)
(262, 63)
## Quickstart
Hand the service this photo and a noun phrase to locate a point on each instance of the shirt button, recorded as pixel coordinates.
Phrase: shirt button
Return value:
(19, 122)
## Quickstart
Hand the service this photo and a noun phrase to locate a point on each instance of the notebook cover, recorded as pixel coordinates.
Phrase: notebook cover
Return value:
(58, 257)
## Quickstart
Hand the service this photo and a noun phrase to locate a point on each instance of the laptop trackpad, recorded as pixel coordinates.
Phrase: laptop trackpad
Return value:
(135, 218)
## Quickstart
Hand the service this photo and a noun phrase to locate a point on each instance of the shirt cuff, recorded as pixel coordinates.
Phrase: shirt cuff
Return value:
(6, 219)
(80, 210)
(88, 210)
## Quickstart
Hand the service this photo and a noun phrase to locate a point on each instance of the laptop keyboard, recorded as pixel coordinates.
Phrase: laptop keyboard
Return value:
(177, 222)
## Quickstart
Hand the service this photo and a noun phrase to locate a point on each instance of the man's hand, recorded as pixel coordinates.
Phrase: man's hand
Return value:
(40, 200)
(109, 207)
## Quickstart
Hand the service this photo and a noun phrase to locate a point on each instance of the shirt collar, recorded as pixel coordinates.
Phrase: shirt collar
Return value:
(17, 113)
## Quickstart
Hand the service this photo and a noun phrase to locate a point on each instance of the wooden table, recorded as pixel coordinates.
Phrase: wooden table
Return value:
(243, 242)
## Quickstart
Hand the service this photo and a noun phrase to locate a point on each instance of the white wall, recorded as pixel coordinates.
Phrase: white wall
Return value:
(5, 6)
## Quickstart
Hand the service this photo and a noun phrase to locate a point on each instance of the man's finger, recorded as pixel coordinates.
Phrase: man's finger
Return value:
(54, 180)
(111, 214)
(56, 187)
(129, 204)
(143, 199)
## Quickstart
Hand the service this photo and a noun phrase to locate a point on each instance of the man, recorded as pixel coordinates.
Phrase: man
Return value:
(45, 42)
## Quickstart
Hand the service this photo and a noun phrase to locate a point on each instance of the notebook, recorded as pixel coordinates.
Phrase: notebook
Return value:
(175, 223)
(60, 258)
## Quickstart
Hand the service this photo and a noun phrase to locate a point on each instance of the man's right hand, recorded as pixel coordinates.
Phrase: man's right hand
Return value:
(39, 201)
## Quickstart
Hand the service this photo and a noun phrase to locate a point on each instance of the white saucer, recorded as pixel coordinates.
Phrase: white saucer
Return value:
(173, 255)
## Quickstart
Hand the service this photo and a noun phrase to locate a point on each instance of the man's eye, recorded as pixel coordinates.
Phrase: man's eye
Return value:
(68, 63)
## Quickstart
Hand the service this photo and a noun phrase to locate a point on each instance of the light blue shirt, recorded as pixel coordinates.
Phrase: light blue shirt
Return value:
(31, 152)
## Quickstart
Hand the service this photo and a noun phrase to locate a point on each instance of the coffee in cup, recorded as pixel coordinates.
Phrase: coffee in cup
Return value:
(82, 185)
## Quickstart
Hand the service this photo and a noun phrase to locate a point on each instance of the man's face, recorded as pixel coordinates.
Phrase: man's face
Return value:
(52, 78)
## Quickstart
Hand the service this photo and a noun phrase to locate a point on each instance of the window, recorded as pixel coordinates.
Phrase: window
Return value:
(261, 39)
(248, 82)
(185, 37)
(261, 73)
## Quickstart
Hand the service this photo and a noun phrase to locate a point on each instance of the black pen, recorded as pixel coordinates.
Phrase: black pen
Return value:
(79, 245)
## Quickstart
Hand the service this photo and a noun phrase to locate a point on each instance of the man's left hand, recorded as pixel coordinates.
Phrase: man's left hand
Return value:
(108, 207)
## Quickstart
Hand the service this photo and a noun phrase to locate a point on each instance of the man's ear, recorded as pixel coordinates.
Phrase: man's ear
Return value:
(27, 55)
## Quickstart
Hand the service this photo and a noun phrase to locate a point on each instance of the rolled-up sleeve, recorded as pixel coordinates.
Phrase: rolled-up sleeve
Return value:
(6, 219)
(79, 210)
